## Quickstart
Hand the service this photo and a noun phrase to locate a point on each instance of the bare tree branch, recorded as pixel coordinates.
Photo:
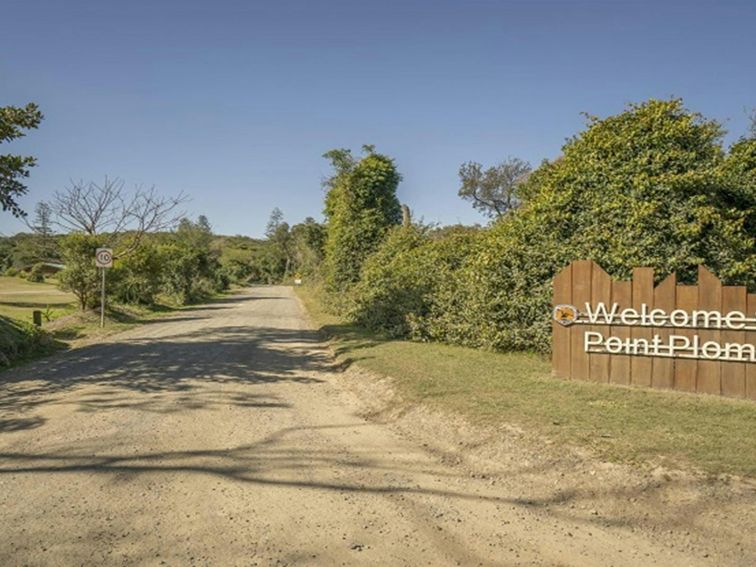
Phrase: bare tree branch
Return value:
(108, 208)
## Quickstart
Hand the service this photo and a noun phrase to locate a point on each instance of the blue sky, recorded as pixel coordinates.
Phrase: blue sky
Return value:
(235, 102)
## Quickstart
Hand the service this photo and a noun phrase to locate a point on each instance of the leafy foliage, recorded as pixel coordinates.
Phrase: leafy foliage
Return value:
(307, 243)
(182, 267)
(361, 206)
(19, 339)
(493, 191)
(191, 269)
(651, 186)
(13, 122)
(36, 274)
(80, 275)
(138, 278)
(404, 279)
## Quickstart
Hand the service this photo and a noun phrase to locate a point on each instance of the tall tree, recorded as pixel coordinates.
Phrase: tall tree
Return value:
(493, 191)
(274, 221)
(43, 231)
(13, 122)
(277, 252)
(42, 224)
(307, 239)
(361, 205)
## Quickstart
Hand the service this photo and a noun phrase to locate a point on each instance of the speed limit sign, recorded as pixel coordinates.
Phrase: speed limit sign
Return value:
(104, 258)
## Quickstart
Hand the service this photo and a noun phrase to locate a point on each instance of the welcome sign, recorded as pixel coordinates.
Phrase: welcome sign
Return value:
(693, 338)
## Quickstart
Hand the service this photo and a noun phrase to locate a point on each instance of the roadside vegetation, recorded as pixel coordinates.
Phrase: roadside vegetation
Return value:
(55, 273)
(619, 424)
(652, 186)
(163, 260)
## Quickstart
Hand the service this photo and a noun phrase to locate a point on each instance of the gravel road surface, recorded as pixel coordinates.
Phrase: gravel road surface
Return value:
(223, 436)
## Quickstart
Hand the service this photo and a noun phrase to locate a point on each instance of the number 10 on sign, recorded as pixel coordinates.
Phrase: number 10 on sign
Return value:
(103, 260)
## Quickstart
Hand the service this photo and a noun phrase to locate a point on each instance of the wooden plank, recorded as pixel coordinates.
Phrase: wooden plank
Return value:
(641, 367)
(734, 298)
(560, 346)
(619, 370)
(663, 369)
(710, 299)
(750, 386)
(686, 371)
(601, 292)
(581, 294)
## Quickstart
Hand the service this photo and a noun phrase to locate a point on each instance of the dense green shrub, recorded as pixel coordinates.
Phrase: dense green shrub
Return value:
(137, 277)
(80, 276)
(649, 187)
(398, 293)
(190, 266)
(36, 274)
(19, 339)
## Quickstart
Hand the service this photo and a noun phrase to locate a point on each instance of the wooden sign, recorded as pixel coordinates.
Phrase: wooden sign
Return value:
(698, 338)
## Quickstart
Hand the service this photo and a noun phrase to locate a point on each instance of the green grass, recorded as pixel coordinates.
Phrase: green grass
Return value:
(19, 298)
(67, 324)
(713, 435)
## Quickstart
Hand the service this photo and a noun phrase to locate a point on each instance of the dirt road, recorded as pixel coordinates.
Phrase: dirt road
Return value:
(224, 437)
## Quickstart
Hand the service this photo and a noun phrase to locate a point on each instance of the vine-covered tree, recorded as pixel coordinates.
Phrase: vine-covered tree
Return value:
(361, 205)
(13, 168)
(493, 191)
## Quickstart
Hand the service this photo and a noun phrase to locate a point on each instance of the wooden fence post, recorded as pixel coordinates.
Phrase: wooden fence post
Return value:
(664, 368)
(641, 367)
(581, 294)
(710, 299)
(560, 335)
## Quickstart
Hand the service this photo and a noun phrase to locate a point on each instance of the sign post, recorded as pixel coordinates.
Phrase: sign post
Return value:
(103, 260)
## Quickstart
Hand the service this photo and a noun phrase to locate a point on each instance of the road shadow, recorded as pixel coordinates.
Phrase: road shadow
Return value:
(286, 458)
(190, 364)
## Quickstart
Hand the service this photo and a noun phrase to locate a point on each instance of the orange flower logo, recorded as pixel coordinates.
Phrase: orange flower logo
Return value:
(565, 315)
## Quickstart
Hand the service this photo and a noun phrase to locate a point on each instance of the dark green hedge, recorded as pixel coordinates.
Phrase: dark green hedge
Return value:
(652, 186)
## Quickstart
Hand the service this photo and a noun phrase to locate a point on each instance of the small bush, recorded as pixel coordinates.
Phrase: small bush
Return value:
(36, 274)
(19, 339)
(400, 292)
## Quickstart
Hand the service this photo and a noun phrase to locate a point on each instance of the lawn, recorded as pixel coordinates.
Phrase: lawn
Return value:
(67, 326)
(18, 298)
(706, 433)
